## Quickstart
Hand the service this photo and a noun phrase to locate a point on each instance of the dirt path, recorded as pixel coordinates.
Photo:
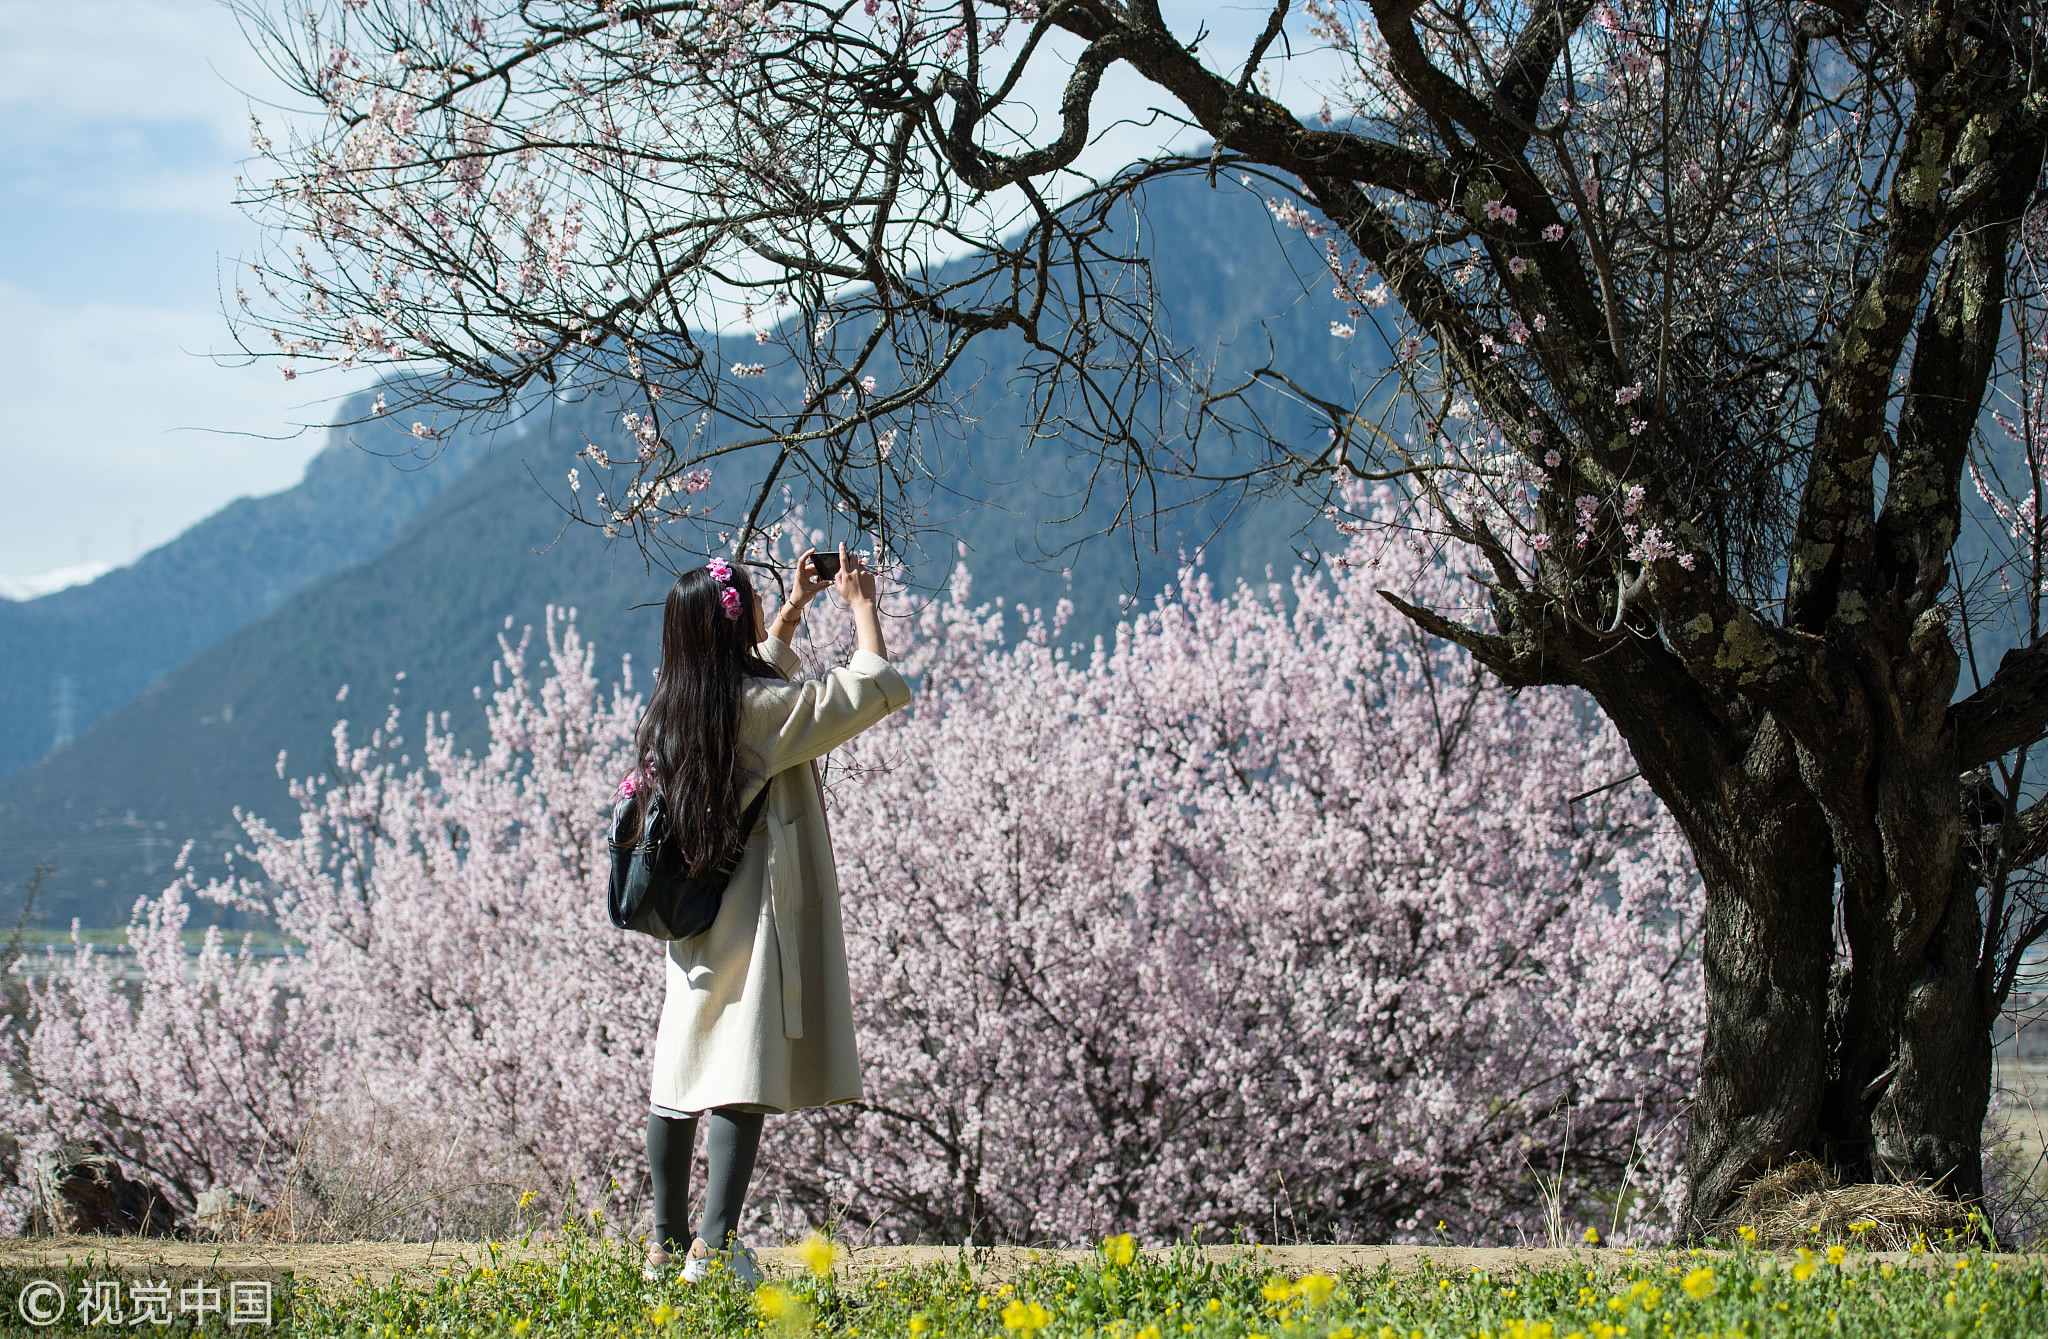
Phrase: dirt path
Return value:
(338, 1263)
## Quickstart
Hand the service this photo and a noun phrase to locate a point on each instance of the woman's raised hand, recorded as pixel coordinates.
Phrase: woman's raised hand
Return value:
(855, 584)
(808, 582)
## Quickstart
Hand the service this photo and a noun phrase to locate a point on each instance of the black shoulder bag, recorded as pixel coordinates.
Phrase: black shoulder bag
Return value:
(650, 890)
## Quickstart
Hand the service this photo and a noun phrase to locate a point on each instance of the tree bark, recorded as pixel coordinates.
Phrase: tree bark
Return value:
(1764, 855)
(1870, 1051)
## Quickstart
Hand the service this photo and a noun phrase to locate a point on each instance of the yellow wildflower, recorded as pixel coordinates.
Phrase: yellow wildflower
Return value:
(1747, 1233)
(662, 1315)
(1862, 1225)
(818, 1253)
(526, 1197)
(1215, 1305)
(1699, 1285)
(1836, 1254)
(919, 1323)
(1315, 1287)
(1121, 1248)
(1803, 1270)
(522, 1325)
(1276, 1289)
(1592, 1236)
(772, 1302)
(1025, 1317)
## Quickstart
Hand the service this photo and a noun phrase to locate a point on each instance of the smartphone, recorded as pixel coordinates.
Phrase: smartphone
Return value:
(826, 565)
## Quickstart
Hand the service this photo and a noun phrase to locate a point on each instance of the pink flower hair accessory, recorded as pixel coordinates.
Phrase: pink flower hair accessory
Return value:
(729, 597)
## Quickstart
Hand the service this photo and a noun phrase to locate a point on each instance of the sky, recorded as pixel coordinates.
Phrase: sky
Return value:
(129, 414)
(127, 123)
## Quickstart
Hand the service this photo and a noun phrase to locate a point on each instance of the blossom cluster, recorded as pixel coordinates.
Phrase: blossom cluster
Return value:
(1267, 908)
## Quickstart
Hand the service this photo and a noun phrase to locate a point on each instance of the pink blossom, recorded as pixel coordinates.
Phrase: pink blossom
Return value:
(1111, 803)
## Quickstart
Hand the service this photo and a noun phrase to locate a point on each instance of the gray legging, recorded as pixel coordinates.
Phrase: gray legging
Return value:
(730, 1144)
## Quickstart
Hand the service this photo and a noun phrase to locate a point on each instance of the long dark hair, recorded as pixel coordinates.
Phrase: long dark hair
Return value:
(688, 741)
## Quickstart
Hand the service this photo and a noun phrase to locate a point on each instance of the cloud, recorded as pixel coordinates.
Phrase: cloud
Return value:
(128, 121)
(122, 432)
(84, 63)
(56, 579)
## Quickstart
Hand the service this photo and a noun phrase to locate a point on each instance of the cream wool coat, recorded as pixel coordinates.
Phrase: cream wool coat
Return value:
(758, 1013)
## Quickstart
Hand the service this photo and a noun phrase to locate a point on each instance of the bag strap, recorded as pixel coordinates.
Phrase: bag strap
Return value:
(753, 813)
(748, 820)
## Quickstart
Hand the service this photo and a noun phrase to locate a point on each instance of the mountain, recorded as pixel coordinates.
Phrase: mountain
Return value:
(76, 654)
(433, 579)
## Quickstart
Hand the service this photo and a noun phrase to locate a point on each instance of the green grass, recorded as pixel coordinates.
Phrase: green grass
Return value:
(593, 1288)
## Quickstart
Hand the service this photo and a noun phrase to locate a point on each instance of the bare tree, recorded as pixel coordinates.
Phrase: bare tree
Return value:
(1697, 310)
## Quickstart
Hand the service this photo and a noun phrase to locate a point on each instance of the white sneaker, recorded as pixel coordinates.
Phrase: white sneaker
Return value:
(658, 1266)
(739, 1261)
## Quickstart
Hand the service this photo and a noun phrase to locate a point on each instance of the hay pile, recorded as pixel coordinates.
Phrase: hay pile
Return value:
(1786, 1204)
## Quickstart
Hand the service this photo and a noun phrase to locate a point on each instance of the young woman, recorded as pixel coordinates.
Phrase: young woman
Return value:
(758, 1016)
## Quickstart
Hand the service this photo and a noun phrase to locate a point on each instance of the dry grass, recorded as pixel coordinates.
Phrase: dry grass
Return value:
(379, 1174)
(1801, 1204)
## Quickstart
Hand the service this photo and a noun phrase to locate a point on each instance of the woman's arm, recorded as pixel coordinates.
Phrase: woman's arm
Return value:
(783, 626)
(820, 714)
(867, 630)
(856, 585)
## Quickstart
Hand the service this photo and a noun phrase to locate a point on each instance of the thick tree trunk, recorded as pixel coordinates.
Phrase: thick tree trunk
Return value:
(1912, 1069)
(1732, 781)
(1873, 1053)
(1928, 1124)
(1767, 948)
